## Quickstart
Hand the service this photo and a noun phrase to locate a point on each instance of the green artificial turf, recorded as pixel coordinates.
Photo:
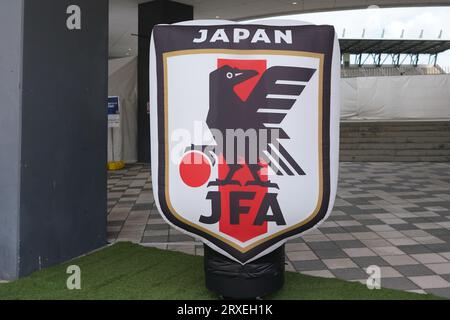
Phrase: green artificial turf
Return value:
(129, 271)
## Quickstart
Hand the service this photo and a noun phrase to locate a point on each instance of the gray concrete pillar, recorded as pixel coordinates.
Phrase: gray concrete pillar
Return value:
(53, 131)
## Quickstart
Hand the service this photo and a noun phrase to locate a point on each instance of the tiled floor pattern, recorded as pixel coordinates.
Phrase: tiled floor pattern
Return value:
(393, 215)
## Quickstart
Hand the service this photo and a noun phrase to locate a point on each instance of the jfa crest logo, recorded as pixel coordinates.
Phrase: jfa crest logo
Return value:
(240, 146)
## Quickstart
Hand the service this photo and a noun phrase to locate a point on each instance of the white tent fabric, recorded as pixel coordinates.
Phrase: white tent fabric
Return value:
(122, 82)
(396, 97)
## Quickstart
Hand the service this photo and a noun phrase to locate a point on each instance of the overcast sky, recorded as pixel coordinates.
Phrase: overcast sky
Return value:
(393, 21)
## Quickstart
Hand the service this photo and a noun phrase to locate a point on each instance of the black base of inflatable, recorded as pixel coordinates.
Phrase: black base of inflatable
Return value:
(255, 279)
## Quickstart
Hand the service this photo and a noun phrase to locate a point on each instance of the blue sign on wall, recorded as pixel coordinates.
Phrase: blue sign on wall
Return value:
(113, 105)
(113, 112)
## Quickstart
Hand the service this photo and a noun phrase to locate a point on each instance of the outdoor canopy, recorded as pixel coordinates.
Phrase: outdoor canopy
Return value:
(244, 130)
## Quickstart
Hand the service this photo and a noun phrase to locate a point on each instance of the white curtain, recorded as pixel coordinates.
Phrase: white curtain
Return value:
(396, 97)
(122, 82)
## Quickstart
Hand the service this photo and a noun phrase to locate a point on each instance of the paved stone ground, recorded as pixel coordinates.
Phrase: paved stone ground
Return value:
(393, 215)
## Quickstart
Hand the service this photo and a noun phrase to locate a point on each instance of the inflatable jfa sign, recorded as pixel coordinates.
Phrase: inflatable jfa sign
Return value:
(244, 131)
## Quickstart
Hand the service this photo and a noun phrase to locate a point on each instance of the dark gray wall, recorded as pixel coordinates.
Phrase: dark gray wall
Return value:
(150, 14)
(10, 76)
(63, 132)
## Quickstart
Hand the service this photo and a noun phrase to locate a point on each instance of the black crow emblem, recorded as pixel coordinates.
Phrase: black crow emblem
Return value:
(265, 108)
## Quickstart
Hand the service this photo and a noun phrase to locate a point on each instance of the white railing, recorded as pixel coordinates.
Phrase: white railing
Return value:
(385, 71)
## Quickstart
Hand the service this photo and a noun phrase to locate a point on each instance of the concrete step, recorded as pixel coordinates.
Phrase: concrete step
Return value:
(435, 133)
(363, 158)
(395, 126)
(438, 138)
(395, 146)
(396, 152)
(395, 141)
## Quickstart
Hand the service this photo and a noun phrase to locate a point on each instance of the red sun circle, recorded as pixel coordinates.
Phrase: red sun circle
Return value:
(195, 169)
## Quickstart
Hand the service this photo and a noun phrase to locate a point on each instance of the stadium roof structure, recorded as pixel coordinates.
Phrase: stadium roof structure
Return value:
(393, 46)
(408, 48)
